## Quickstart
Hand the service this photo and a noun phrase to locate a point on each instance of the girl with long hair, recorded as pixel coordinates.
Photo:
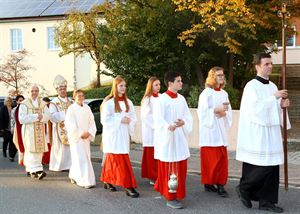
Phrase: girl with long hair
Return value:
(118, 119)
(149, 164)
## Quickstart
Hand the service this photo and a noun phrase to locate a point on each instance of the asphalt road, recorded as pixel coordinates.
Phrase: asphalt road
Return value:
(55, 194)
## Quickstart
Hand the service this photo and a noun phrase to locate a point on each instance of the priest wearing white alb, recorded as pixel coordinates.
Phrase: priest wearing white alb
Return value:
(60, 157)
(172, 124)
(259, 143)
(33, 115)
(215, 118)
(81, 129)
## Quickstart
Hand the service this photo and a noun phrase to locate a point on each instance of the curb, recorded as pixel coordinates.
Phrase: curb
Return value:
(138, 164)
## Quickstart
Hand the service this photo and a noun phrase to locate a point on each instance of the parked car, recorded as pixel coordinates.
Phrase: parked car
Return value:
(94, 104)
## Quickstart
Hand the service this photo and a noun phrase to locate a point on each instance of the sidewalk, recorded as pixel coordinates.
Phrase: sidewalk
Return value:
(235, 167)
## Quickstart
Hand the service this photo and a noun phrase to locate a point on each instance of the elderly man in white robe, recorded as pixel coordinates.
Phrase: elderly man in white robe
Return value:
(60, 157)
(33, 115)
(81, 129)
(259, 143)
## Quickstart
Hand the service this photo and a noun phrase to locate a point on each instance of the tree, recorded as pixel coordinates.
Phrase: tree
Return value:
(142, 41)
(242, 27)
(13, 73)
(78, 35)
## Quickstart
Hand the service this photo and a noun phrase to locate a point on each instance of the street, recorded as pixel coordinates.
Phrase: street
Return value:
(55, 194)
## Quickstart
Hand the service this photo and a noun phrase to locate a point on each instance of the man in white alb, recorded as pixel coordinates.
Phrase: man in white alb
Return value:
(259, 143)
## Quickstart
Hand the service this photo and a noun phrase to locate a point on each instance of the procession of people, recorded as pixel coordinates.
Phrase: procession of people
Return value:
(59, 133)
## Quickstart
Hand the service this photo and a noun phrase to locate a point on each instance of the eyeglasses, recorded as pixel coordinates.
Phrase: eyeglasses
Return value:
(220, 75)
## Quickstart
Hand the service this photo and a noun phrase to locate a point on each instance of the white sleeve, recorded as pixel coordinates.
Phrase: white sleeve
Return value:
(264, 112)
(146, 116)
(109, 119)
(132, 116)
(56, 116)
(205, 110)
(92, 125)
(46, 115)
(188, 119)
(160, 124)
(24, 117)
(228, 117)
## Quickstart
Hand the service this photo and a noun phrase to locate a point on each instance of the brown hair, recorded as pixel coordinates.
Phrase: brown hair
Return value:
(211, 78)
(114, 94)
(149, 87)
(259, 56)
(75, 92)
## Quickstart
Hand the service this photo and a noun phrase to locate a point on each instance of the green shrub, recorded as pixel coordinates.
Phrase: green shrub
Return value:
(193, 96)
(234, 96)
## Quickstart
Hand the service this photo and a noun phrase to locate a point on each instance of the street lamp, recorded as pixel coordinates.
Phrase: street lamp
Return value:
(284, 14)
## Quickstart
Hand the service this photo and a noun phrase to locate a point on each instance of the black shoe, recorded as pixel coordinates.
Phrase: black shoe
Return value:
(41, 175)
(210, 188)
(268, 206)
(222, 192)
(33, 175)
(11, 159)
(4, 154)
(246, 202)
(131, 192)
(110, 187)
(28, 174)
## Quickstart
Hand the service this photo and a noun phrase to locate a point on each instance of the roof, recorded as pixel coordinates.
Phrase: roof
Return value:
(17, 9)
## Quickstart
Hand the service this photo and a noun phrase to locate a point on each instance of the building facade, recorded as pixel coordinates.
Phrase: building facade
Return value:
(34, 31)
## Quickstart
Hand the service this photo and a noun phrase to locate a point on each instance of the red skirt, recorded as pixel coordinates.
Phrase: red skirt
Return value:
(214, 165)
(161, 184)
(117, 170)
(149, 164)
(46, 155)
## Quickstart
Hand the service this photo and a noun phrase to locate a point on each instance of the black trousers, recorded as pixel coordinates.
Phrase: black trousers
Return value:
(8, 142)
(260, 183)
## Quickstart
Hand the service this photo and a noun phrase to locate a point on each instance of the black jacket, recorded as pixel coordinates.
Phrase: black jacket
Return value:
(4, 118)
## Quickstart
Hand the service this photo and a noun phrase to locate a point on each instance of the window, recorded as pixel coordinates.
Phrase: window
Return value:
(290, 41)
(52, 45)
(16, 39)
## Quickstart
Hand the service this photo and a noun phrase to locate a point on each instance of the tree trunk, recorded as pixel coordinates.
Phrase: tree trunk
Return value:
(98, 76)
(200, 77)
(231, 72)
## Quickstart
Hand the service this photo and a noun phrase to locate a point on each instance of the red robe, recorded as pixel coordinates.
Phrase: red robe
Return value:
(161, 184)
(117, 170)
(149, 164)
(19, 134)
(46, 155)
(214, 165)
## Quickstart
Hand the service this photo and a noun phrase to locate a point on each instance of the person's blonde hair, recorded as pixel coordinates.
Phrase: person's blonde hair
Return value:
(211, 78)
(8, 99)
(149, 87)
(114, 94)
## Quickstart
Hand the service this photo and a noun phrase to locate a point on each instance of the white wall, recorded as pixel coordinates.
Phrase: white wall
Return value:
(292, 56)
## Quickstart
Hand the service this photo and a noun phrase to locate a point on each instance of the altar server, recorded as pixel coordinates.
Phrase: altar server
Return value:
(172, 123)
(149, 164)
(215, 118)
(118, 119)
(81, 129)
